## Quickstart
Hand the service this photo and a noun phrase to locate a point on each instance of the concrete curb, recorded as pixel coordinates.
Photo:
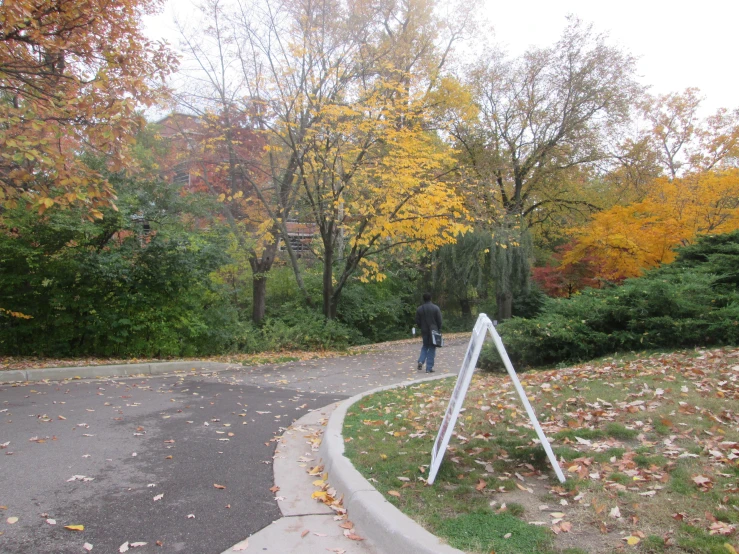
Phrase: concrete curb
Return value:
(121, 370)
(386, 526)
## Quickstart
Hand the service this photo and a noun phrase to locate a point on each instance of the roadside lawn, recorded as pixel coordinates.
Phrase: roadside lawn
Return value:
(649, 446)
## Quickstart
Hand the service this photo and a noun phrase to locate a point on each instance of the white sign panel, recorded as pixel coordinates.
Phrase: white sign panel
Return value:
(482, 325)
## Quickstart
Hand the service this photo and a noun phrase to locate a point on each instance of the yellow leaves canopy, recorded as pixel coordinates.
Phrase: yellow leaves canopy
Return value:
(629, 239)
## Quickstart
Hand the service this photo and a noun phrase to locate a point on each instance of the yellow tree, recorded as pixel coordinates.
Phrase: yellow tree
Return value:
(373, 172)
(373, 185)
(629, 239)
(72, 75)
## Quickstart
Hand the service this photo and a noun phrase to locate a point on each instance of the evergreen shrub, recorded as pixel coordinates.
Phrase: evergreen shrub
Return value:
(691, 302)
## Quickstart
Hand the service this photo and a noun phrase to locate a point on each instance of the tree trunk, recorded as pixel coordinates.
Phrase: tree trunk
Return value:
(504, 301)
(259, 297)
(466, 307)
(329, 310)
(260, 266)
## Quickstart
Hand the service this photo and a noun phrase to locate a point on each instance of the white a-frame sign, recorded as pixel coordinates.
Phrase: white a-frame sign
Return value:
(482, 327)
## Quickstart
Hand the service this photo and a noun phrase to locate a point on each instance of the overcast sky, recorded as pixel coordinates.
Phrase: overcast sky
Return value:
(679, 44)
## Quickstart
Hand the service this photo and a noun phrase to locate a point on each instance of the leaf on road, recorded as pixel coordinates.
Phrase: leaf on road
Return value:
(75, 527)
(123, 547)
(304, 533)
(12, 520)
(274, 489)
(216, 485)
(158, 497)
(87, 546)
(51, 521)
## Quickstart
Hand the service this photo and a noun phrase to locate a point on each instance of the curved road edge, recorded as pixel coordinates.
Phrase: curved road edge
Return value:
(389, 529)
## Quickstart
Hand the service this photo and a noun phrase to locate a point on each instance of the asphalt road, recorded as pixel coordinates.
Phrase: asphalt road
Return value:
(128, 441)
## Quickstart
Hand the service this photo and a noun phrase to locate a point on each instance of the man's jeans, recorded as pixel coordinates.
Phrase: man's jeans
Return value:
(428, 353)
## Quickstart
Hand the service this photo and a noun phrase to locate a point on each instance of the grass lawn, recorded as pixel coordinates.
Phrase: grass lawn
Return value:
(649, 446)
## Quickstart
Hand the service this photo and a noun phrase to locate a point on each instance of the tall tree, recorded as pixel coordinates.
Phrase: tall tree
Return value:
(374, 174)
(541, 116)
(340, 92)
(235, 159)
(73, 74)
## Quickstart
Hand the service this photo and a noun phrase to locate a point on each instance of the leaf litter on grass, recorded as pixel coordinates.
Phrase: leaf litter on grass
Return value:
(639, 440)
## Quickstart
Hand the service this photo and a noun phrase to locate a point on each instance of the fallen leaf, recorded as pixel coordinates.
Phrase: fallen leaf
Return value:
(216, 485)
(75, 527)
(702, 481)
(243, 545)
(615, 513)
(158, 497)
(137, 544)
(352, 536)
(87, 546)
(632, 540)
(51, 521)
(480, 485)
(123, 547)
(394, 493)
(566, 526)
(274, 489)
(12, 520)
(304, 533)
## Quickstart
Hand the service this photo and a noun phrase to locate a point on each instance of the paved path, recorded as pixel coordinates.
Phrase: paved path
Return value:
(175, 436)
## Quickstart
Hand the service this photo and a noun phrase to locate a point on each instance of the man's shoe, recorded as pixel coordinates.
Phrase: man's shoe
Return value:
(430, 371)
(420, 366)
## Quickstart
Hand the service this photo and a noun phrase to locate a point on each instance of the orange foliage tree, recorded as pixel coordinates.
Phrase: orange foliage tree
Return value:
(628, 239)
(72, 75)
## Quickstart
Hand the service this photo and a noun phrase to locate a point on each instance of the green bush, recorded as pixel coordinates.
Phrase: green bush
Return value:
(692, 302)
(106, 289)
(302, 329)
(383, 310)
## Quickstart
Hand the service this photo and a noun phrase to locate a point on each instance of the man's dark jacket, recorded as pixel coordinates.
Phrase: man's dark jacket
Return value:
(428, 318)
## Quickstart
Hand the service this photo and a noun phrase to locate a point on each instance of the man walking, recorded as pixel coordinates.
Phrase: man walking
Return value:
(428, 318)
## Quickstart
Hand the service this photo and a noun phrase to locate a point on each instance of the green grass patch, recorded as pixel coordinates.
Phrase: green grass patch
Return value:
(646, 430)
(486, 531)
